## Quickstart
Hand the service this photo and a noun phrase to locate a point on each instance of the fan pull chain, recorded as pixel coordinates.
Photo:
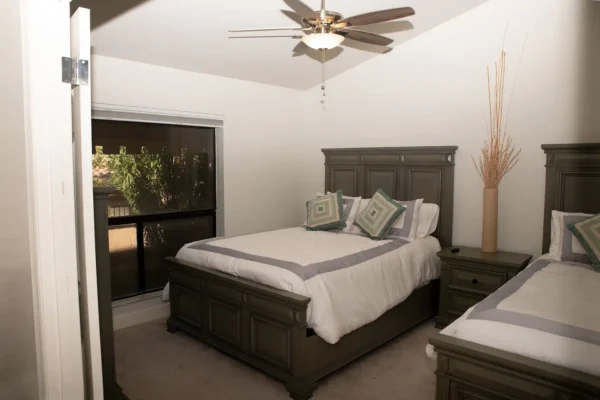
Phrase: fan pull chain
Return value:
(323, 78)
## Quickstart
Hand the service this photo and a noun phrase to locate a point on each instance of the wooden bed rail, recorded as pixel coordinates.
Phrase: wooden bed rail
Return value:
(465, 367)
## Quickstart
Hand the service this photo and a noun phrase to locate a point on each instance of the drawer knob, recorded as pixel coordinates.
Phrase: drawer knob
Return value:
(475, 281)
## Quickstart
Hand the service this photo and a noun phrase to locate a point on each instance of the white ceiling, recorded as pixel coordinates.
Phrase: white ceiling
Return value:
(192, 35)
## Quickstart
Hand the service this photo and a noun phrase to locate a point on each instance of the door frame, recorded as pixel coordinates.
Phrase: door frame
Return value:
(45, 28)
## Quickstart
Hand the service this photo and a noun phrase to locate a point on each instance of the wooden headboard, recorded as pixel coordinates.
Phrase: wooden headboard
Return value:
(405, 173)
(572, 181)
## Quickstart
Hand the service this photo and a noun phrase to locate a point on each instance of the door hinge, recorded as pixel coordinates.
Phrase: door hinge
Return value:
(75, 71)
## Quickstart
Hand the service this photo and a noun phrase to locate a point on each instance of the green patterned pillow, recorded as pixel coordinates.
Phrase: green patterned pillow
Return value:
(377, 219)
(588, 234)
(325, 212)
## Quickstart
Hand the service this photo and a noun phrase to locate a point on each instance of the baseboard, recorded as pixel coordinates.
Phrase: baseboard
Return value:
(138, 312)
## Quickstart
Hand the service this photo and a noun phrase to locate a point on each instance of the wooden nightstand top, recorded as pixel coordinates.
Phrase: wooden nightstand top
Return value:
(500, 258)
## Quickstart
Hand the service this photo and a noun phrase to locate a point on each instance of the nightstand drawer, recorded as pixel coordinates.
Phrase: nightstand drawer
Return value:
(459, 302)
(469, 279)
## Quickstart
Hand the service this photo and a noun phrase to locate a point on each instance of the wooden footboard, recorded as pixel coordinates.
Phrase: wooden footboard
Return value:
(258, 324)
(267, 328)
(467, 370)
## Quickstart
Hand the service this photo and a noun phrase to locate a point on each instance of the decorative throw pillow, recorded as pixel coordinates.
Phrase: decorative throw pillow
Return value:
(564, 246)
(405, 226)
(588, 234)
(325, 212)
(379, 215)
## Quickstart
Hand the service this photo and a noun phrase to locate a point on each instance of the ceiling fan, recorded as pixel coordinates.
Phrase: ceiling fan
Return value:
(326, 29)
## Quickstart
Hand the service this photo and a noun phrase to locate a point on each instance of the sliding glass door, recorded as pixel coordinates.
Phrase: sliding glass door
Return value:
(165, 176)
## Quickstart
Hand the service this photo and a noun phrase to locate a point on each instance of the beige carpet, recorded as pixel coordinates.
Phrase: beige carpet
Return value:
(153, 364)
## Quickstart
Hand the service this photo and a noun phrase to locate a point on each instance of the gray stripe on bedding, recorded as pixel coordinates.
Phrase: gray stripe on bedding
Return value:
(541, 324)
(487, 309)
(311, 270)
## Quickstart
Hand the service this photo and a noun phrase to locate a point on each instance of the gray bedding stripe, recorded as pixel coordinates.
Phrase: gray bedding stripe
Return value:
(487, 309)
(311, 270)
(289, 265)
(350, 260)
(543, 324)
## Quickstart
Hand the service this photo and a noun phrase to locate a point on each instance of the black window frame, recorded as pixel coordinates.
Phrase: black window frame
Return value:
(139, 221)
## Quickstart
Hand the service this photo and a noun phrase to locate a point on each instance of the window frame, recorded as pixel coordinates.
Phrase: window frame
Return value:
(168, 117)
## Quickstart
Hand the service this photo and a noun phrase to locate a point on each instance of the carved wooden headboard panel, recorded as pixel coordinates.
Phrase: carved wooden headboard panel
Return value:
(572, 181)
(405, 173)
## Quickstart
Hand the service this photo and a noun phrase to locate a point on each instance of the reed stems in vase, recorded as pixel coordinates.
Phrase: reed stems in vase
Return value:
(498, 155)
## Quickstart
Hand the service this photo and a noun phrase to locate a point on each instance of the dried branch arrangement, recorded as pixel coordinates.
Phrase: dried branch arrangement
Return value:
(498, 155)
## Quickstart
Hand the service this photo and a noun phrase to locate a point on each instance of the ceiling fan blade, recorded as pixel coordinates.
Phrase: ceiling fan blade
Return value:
(376, 17)
(293, 16)
(299, 49)
(266, 36)
(366, 37)
(301, 9)
(267, 29)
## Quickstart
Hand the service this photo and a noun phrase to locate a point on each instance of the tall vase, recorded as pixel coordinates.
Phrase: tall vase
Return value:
(489, 237)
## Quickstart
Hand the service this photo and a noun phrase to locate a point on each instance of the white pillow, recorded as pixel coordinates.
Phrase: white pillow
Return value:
(351, 207)
(428, 219)
(405, 226)
(564, 246)
(354, 229)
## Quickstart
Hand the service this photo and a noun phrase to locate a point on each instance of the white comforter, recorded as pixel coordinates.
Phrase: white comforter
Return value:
(549, 315)
(351, 280)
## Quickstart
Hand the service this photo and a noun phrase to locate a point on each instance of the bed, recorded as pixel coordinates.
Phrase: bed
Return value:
(534, 338)
(259, 322)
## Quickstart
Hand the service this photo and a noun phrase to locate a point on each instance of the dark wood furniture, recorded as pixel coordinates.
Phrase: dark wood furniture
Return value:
(471, 275)
(112, 390)
(467, 370)
(266, 327)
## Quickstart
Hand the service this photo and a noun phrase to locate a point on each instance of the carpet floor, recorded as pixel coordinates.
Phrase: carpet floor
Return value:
(153, 364)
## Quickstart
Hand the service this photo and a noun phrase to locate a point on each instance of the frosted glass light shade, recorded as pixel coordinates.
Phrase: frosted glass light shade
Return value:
(323, 41)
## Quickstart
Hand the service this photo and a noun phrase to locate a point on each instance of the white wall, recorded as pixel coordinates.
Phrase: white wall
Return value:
(18, 360)
(431, 90)
(262, 133)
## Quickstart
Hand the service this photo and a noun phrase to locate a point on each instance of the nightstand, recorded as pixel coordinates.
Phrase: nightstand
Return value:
(470, 275)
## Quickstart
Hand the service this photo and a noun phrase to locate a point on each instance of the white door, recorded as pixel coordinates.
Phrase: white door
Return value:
(53, 228)
(82, 149)
(60, 199)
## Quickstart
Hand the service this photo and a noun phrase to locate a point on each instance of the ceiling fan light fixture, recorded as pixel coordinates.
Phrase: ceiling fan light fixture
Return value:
(323, 41)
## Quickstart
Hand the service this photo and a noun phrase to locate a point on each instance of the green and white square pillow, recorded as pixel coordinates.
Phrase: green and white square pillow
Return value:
(380, 214)
(588, 234)
(325, 212)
